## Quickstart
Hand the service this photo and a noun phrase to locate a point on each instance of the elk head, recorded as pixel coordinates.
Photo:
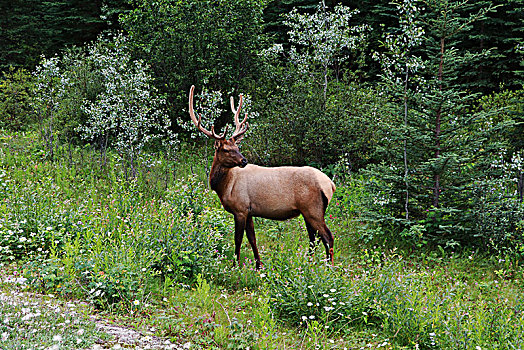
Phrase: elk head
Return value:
(227, 152)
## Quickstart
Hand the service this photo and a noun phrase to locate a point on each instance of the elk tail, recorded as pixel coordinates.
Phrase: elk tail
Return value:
(325, 200)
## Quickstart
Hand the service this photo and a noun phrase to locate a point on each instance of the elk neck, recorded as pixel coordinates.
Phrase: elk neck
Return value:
(217, 177)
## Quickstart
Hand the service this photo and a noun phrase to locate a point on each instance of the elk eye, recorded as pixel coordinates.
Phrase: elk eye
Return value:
(226, 150)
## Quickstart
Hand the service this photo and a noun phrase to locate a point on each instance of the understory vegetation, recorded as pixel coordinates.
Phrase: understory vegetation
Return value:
(159, 255)
(414, 108)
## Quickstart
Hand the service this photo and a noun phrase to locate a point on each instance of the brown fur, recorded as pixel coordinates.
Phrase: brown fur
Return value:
(277, 193)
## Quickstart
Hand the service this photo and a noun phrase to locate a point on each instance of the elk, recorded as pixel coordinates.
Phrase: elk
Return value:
(278, 193)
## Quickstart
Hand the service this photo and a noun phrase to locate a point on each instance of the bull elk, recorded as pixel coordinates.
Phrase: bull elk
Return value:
(279, 193)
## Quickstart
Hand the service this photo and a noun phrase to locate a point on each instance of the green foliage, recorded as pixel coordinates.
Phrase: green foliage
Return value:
(105, 242)
(161, 257)
(102, 95)
(302, 291)
(436, 145)
(434, 316)
(128, 113)
(212, 43)
(297, 128)
(498, 207)
(311, 112)
(15, 95)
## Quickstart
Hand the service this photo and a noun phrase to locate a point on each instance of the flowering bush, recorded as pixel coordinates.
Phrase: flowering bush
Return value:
(129, 112)
(301, 291)
(104, 96)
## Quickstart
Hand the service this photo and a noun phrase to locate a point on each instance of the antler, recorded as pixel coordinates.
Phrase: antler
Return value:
(240, 127)
(198, 122)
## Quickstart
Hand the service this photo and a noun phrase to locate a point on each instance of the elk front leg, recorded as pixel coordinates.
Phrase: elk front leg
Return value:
(250, 232)
(240, 224)
(312, 238)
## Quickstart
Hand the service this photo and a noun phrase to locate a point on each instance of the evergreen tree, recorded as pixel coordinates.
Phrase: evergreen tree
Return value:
(29, 29)
(433, 154)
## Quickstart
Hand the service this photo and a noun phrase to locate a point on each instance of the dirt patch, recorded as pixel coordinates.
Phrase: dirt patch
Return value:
(127, 338)
(12, 292)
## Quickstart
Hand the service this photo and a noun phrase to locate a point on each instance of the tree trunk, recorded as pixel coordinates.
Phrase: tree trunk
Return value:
(406, 171)
(438, 121)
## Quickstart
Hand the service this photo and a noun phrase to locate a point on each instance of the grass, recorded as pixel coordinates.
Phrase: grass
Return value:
(156, 254)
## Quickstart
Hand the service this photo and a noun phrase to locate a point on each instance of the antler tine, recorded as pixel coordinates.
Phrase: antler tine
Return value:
(232, 99)
(198, 122)
(222, 136)
(240, 127)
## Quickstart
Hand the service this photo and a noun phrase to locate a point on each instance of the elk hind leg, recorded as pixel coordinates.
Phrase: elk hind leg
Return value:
(319, 225)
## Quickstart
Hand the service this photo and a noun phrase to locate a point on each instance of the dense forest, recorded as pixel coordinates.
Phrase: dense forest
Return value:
(414, 108)
(425, 97)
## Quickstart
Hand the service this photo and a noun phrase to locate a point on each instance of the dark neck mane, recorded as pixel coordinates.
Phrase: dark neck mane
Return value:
(216, 177)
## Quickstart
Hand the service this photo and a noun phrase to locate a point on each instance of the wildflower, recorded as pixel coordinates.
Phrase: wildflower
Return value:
(332, 290)
(80, 331)
(304, 318)
(5, 335)
(310, 304)
(136, 302)
(27, 317)
(57, 337)
(262, 275)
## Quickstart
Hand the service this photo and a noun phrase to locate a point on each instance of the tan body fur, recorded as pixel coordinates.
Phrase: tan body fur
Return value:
(274, 193)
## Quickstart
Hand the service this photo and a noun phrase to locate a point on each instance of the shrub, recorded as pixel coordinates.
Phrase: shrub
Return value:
(128, 113)
(301, 291)
(15, 96)
(102, 95)
(498, 208)
(110, 252)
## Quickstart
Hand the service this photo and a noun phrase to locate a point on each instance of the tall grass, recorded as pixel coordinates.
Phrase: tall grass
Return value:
(82, 230)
